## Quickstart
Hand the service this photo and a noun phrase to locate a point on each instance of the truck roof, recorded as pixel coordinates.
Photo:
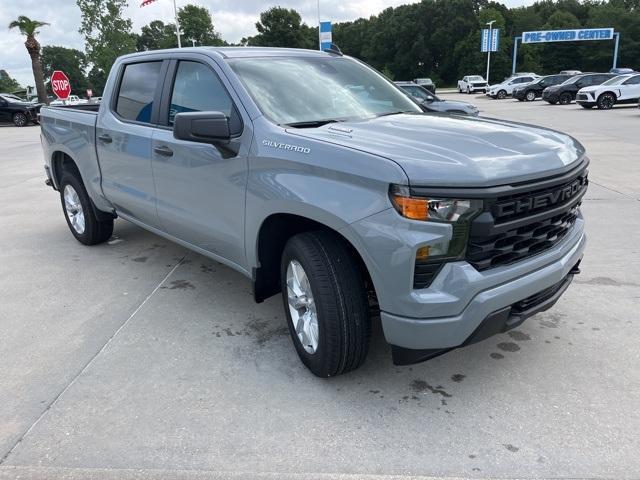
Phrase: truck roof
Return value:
(239, 52)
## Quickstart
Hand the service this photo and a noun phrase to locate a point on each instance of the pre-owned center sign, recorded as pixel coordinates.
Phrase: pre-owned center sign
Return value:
(545, 36)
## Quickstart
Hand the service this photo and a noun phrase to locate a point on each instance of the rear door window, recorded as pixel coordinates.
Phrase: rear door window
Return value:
(137, 91)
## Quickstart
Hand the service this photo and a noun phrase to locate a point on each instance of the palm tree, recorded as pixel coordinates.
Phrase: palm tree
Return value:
(29, 28)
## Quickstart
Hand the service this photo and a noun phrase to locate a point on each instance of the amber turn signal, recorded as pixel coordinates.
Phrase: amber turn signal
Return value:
(411, 207)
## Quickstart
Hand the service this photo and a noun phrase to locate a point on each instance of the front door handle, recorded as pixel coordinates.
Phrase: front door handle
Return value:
(105, 138)
(163, 150)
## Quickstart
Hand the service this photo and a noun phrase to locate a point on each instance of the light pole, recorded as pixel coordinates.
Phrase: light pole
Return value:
(489, 45)
(175, 12)
(319, 34)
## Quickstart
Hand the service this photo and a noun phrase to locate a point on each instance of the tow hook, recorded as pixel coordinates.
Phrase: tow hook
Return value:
(576, 268)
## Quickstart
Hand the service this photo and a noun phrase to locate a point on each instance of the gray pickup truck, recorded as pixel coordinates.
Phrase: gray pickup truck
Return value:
(315, 176)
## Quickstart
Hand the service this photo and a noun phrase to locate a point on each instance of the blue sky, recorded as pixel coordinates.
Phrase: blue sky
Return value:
(233, 19)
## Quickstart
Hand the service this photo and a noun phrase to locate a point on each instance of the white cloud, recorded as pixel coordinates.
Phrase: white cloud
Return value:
(234, 19)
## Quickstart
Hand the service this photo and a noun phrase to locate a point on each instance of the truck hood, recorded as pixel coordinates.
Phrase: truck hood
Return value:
(456, 150)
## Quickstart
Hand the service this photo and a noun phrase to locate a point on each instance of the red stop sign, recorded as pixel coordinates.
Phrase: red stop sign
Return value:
(60, 85)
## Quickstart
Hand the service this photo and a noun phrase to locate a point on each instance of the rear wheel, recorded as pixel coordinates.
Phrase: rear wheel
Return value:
(606, 101)
(502, 94)
(530, 96)
(565, 98)
(79, 212)
(468, 90)
(325, 303)
(20, 119)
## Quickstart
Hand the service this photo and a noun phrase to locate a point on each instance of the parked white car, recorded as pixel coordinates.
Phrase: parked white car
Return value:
(504, 89)
(617, 90)
(472, 83)
(72, 100)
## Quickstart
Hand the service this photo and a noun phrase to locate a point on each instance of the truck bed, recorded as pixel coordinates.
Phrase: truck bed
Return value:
(71, 131)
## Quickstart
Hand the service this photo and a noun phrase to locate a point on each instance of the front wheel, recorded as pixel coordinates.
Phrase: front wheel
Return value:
(565, 99)
(20, 119)
(606, 101)
(530, 96)
(502, 94)
(325, 302)
(79, 213)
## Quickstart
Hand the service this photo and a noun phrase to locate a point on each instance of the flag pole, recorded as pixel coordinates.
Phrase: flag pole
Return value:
(175, 12)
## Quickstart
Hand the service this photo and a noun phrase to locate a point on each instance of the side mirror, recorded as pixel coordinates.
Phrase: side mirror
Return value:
(202, 127)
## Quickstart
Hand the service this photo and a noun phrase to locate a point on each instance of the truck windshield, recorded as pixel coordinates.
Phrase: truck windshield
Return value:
(307, 92)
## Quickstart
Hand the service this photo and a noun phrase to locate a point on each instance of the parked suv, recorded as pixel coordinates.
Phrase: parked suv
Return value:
(617, 90)
(13, 109)
(533, 90)
(566, 92)
(316, 178)
(426, 83)
(471, 84)
(431, 103)
(504, 89)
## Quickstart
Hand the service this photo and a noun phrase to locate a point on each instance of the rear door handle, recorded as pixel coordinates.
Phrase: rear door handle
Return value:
(163, 150)
(105, 138)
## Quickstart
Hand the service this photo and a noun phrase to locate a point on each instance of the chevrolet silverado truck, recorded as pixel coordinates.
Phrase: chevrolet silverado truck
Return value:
(319, 179)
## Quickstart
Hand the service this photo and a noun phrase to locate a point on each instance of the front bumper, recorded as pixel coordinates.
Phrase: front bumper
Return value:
(446, 314)
(500, 321)
(550, 97)
(446, 332)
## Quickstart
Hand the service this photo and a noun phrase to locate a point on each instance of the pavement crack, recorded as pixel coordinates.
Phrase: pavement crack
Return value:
(91, 360)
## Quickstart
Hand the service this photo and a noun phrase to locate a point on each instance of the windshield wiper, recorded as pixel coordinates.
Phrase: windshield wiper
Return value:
(386, 114)
(311, 123)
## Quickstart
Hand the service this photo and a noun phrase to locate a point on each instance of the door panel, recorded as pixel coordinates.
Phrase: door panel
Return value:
(124, 138)
(201, 187)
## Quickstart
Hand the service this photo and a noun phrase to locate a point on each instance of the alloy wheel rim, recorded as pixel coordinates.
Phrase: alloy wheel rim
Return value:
(21, 120)
(302, 307)
(607, 102)
(531, 96)
(73, 208)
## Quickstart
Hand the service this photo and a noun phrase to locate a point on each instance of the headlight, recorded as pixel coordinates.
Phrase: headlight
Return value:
(449, 210)
(457, 212)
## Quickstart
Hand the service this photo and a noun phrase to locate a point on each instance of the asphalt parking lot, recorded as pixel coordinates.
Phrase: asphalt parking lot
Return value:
(139, 359)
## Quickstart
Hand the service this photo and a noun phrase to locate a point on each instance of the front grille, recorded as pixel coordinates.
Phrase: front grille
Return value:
(516, 227)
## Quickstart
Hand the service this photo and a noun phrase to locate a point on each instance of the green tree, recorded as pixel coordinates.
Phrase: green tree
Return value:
(71, 61)
(281, 27)
(196, 26)
(107, 35)
(157, 35)
(29, 28)
(8, 84)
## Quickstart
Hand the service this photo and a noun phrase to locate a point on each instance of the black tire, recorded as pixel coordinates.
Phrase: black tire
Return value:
(20, 119)
(565, 98)
(468, 90)
(502, 94)
(95, 230)
(606, 101)
(530, 96)
(459, 90)
(340, 297)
